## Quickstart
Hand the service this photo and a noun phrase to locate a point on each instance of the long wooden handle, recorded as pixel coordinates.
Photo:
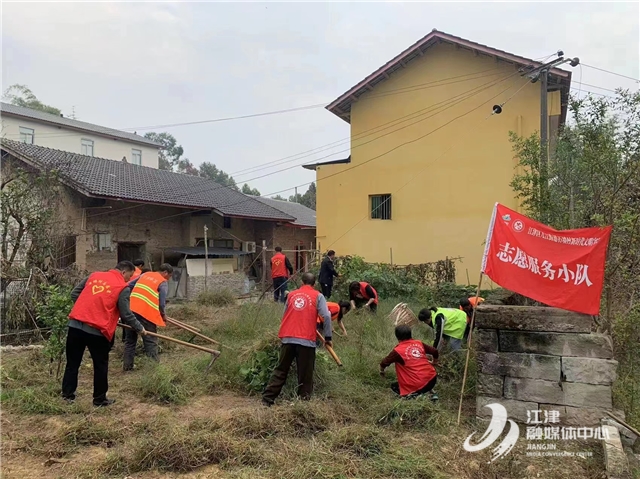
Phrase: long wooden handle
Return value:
(174, 340)
(180, 324)
(330, 349)
(191, 330)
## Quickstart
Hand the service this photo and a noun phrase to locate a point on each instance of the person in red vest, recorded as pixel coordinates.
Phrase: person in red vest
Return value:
(298, 336)
(362, 294)
(337, 311)
(280, 270)
(99, 301)
(148, 302)
(416, 374)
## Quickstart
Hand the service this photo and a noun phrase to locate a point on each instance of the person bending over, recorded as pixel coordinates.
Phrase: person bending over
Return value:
(449, 324)
(416, 374)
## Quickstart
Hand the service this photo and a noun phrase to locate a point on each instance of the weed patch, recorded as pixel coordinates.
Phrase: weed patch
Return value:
(216, 298)
(162, 384)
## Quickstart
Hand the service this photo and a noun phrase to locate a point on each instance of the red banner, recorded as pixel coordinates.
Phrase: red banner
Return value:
(564, 269)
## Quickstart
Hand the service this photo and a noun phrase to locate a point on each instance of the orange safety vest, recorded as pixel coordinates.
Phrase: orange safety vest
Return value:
(279, 266)
(145, 299)
(136, 274)
(472, 300)
(97, 305)
(334, 309)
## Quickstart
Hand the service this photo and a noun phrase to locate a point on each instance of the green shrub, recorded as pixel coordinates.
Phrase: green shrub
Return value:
(53, 312)
(220, 298)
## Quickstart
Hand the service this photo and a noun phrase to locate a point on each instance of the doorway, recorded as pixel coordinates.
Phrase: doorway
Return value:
(130, 251)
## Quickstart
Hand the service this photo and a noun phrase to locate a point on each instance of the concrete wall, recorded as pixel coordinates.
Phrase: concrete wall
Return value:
(216, 282)
(443, 185)
(537, 358)
(66, 139)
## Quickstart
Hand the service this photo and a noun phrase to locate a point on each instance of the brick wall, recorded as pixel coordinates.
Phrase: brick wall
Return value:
(289, 238)
(153, 227)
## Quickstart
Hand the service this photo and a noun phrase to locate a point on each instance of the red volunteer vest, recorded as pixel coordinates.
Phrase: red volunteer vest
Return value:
(299, 320)
(97, 305)
(334, 309)
(363, 287)
(279, 266)
(417, 371)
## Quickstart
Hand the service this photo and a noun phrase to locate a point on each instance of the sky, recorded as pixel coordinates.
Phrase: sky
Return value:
(140, 65)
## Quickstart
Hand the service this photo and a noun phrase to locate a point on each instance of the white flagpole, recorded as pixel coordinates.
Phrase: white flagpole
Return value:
(473, 314)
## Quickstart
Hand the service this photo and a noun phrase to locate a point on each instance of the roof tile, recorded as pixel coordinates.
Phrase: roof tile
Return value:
(105, 178)
(8, 108)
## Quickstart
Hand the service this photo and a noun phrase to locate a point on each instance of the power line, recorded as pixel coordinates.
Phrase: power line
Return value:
(382, 154)
(365, 133)
(612, 73)
(464, 96)
(383, 135)
(408, 89)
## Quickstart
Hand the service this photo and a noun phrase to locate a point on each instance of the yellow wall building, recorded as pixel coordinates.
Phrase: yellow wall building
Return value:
(423, 134)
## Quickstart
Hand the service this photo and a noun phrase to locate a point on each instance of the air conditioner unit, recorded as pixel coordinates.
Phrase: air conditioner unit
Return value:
(249, 246)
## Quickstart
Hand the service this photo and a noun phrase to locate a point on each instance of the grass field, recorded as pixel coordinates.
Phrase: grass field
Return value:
(172, 420)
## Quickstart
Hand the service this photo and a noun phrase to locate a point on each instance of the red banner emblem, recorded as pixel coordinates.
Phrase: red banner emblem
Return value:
(564, 269)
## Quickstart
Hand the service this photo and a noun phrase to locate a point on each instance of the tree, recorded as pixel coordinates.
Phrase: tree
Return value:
(171, 159)
(211, 171)
(308, 199)
(594, 180)
(30, 203)
(21, 95)
(247, 190)
(278, 197)
(171, 153)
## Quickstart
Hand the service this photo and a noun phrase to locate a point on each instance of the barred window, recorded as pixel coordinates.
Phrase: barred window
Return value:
(380, 207)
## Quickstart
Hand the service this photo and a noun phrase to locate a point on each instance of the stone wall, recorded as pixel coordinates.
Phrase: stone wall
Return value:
(538, 358)
(216, 282)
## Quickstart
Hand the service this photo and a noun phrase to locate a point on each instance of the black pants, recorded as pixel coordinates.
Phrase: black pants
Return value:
(77, 341)
(326, 290)
(373, 307)
(305, 357)
(279, 289)
(150, 343)
(395, 387)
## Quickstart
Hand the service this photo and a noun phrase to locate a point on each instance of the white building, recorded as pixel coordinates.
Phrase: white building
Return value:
(44, 129)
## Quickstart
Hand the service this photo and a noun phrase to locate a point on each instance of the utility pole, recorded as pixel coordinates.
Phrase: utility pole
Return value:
(542, 73)
(296, 194)
(206, 257)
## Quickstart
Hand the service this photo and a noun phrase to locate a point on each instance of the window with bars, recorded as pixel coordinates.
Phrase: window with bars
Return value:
(380, 207)
(103, 242)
